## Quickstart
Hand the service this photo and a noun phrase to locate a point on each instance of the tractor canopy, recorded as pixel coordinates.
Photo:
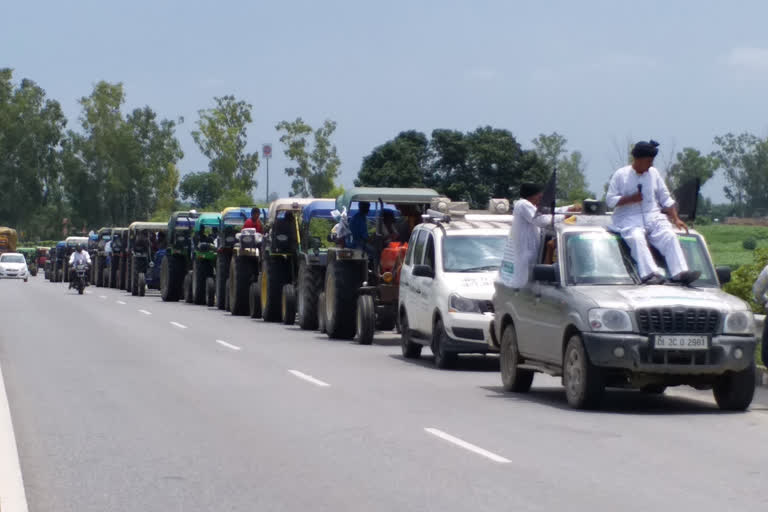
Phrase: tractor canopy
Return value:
(287, 204)
(182, 220)
(396, 196)
(208, 220)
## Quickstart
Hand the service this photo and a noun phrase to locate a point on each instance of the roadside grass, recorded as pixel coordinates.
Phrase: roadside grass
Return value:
(725, 241)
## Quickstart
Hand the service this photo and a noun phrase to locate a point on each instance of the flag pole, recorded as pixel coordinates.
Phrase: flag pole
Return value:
(554, 197)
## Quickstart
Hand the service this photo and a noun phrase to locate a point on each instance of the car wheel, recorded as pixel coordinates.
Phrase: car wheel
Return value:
(734, 390)
(444, 358)
(583, 382)
(512, 377)
(409, 349)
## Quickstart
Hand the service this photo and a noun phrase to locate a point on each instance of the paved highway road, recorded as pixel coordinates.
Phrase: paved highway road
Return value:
(132, 404)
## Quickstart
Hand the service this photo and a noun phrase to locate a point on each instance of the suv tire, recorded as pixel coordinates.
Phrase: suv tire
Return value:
(734, 390)
(582, 381)
(365, 319)
(444, 359)
(513, 378)
(410, 349)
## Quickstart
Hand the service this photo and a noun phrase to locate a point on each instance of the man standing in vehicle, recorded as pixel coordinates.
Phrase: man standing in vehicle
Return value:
(643, 207)
(254, 222)
(78, 257)
(358, 225)
(524, 240)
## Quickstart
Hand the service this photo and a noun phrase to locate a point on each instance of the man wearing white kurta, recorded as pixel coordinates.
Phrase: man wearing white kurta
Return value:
(524, 239)
(643, 208)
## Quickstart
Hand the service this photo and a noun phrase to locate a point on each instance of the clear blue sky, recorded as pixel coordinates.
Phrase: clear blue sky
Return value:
(598, 72)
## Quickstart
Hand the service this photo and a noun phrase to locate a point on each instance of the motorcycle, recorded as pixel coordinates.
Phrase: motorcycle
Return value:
(81, 277)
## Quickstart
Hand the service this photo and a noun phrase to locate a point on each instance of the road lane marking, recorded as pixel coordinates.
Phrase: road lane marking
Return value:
(102, 296)
(88, 292)
(180, 326)
(12, 496)
(228, 345)
(309, 378)
(144, 311)
(120, 302)
(467, 446)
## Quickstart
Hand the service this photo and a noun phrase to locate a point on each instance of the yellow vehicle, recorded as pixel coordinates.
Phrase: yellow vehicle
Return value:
(8, 240)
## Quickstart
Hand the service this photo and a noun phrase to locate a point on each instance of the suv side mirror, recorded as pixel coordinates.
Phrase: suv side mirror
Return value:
(723, 275)
(423, 271)
(545, 273)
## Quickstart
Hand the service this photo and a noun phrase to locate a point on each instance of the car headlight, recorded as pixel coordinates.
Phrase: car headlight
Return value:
(739, 322)
(459, 304)
(610, 320)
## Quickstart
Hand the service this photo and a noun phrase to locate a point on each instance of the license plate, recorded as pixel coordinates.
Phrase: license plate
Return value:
(681, 342)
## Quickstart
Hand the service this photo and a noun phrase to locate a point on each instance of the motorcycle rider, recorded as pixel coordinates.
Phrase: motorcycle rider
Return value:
(78, 257)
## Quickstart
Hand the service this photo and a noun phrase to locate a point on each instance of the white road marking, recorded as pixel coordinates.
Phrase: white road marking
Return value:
(12, 496)
(120, 302)
(467, 446)
(309, 378)
(180, 326)
(144, 311)
(228, 345)
(102, 296)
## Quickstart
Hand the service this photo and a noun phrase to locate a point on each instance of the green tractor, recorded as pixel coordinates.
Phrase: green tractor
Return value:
(139, 253)
(178, 258)
(273, 296)
(360, 295)
(202, 281)
(100, 261)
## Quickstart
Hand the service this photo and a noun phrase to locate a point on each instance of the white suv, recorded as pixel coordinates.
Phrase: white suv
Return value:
(13, 266)
(446, 285)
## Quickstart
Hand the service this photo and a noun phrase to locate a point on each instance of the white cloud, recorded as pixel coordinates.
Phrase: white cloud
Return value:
(749, 59)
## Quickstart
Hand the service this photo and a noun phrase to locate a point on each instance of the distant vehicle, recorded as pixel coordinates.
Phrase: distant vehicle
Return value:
(13, 266)
(8, 239)
(80, 278)
(446, 283)
(586, 318)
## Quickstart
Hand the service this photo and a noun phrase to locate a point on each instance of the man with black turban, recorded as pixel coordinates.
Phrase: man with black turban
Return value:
(643, 207)
(524, 239)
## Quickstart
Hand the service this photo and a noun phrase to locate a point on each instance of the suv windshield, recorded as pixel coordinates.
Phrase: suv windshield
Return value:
(473, 253)
(11, 258)
(602, 258)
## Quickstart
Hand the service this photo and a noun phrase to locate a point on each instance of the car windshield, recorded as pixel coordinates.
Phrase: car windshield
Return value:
(11, 258)
(602, 258)
(473, 253)
(597, 258)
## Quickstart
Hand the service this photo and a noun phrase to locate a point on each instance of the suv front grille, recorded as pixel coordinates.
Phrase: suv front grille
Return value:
(678, 320)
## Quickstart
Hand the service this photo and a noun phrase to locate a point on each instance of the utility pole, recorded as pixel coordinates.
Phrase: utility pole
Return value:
(266, 152)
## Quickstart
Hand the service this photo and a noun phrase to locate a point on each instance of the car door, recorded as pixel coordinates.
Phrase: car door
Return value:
(416, 284)
(548, 315)
(407, 296)
(427, 288)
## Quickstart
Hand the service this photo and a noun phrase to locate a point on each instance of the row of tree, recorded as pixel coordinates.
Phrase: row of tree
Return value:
(117, 167)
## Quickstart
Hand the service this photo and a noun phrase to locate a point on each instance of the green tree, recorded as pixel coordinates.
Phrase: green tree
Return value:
(399, 162)
(222, 136)
(479, 165)
(571, 181)
(316, 166)
(744, 158)
(202, 188)
(31, 130)
(690, 164)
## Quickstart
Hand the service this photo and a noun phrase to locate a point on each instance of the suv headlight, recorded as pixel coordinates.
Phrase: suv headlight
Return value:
(739, 322)
(459, 304)
(610, 320)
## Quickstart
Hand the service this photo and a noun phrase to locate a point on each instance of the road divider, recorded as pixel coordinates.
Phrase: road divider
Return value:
(228, 345)
(467, 446)
(309, 378)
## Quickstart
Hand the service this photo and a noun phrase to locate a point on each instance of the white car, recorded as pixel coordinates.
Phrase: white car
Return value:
(13, 266)
(446, 285)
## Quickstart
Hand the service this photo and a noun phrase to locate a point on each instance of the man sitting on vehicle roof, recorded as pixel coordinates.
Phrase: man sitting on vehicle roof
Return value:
(254, 222)
(644, 207)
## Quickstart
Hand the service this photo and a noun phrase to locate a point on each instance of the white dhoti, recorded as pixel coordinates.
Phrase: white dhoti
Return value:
(660, 233)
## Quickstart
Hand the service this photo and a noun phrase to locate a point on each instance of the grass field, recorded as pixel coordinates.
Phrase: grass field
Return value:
(725, 242)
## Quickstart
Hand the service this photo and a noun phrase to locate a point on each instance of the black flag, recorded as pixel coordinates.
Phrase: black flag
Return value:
(687, 198)
(548, 200)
